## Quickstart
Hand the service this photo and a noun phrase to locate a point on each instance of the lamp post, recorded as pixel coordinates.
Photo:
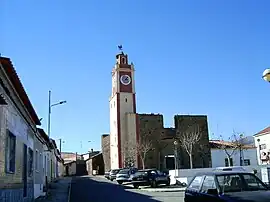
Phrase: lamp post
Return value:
(175, 156)
(50, 110)
(266, 75)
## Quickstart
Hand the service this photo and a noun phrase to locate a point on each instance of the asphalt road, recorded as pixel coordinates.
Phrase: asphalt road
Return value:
(97, 189)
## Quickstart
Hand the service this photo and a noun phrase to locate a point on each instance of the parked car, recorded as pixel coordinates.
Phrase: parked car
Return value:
(107, 174)
(113, 173)
(233, 186)
(152, 177)
(124, 174)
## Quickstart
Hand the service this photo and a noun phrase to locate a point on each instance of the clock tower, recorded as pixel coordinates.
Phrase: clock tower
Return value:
(122, 106)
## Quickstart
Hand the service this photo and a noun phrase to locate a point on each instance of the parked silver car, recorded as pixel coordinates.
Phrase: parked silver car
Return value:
(113, 173)
(124, 175)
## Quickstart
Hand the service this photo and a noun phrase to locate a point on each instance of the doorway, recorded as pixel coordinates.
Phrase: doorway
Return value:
(170, 164)
(24, 169)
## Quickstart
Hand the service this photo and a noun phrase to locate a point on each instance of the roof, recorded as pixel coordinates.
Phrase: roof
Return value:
(53, 143)
(215, 144)
(44, 135)
(70, 162)
(93, 155)
(264, 131)
(15, 80)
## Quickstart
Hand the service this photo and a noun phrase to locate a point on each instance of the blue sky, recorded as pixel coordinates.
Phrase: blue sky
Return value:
(191, 57)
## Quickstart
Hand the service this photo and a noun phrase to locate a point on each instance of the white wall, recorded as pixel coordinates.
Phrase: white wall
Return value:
(113, 133)
(18, 126)
(219, 156)
(264, 139)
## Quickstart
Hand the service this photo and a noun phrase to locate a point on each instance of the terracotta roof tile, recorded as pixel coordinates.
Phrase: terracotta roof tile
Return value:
(266, 130)
(15, 80)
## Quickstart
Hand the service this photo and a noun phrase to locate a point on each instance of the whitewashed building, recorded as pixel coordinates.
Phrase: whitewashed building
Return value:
(18, 121)
(262, 142)
(220, 158)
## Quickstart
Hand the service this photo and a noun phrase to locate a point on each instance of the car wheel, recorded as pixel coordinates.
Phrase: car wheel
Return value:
(154, 184)
(168, 183)
(119, 182)
(135, 186)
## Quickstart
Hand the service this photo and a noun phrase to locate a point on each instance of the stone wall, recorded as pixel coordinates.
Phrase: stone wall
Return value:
(193, 124)
(105, 149)
(151, 130)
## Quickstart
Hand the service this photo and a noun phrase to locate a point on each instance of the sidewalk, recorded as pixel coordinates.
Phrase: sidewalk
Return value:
(164, 189)
(58, 191)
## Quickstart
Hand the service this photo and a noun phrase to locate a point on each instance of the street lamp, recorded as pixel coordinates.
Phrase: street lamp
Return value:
(175, 156)
(50, 110)
(266, 75)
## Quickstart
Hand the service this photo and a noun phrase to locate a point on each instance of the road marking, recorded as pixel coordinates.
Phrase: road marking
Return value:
(69, 190)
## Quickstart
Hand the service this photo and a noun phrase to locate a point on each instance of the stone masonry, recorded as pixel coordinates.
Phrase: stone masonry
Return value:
(105, 144)
(151, 128)
(201, 152)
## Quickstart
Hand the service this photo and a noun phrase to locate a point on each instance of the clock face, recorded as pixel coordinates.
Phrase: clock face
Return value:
(125, 79)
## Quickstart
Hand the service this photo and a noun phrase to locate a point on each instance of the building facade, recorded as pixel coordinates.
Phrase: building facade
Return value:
(38, 171)
(105, 149)
(18, 121)
(262, 143)
(247, 154)
(130, 131)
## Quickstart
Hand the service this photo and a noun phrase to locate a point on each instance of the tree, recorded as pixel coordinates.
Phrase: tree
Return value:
(129, 154)
(189, 139)
(231, 146)
(144, 146)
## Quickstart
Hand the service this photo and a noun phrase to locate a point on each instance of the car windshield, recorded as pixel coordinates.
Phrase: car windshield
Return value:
(141, 172)
(124, 171)
(115, 171)
(237, 183)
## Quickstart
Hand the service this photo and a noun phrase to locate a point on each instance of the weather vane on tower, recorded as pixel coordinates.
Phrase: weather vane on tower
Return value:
(120, 47)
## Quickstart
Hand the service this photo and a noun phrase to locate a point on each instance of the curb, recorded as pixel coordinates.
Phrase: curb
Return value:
(69, 191)
(163, 190)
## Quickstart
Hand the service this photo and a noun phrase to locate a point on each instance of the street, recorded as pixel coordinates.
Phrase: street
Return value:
(98, 189)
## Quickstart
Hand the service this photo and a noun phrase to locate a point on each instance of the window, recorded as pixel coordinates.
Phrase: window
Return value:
(10, 152)
(36, 161)
(262, 146)
(123, 60)
(230, 183)
(30, 162)
(227, 163)
(126, 99)
(208, 183)
(246, 162)
(196, 183)
(253, 183)
(40, 161)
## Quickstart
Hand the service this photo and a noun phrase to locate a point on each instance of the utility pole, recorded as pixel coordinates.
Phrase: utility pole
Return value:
(60, 145)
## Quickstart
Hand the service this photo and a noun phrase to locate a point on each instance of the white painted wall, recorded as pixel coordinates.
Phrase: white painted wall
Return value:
(264, 139)
(113, 133)
(18, 126)
(131, 131)
(219, 155)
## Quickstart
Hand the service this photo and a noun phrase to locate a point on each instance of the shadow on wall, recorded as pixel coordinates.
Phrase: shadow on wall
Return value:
(81, 186)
